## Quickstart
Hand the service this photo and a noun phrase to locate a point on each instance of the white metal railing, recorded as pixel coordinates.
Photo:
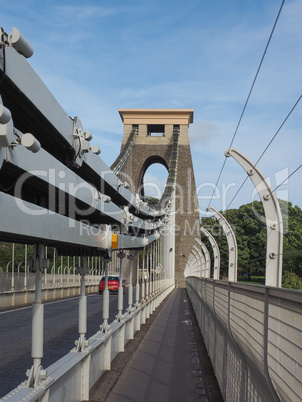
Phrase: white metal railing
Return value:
(26, 281)
(76, 372)
(253, 337)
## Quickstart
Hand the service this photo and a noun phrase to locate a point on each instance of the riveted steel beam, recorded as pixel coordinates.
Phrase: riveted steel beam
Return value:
(273, 217)
(32, 224)
(36, 111)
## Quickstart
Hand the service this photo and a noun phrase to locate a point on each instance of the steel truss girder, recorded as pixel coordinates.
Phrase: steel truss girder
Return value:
(110, 184)
(53, 175)
(128, 242)
(69, 184)
(28, 83)
(273, 217)
(232, 244)
(39, 103)
(53, 230)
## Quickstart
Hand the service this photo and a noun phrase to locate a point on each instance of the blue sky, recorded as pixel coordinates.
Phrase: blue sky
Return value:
(99, 56)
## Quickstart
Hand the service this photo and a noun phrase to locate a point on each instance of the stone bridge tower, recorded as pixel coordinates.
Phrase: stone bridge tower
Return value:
(152, 143)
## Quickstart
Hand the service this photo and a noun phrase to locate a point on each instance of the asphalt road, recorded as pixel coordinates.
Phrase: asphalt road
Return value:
(60, 333)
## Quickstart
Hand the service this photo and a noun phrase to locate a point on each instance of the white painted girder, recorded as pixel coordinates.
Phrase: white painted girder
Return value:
(273, 218)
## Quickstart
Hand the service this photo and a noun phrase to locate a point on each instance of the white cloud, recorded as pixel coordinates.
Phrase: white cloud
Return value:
(202, 132)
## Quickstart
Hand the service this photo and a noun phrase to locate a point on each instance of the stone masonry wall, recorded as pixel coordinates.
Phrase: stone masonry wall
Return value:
(187, 213)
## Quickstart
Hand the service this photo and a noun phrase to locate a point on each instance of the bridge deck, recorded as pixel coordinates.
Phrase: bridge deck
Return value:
(166, 361)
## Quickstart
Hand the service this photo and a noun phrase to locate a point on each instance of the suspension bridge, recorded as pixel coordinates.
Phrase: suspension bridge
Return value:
(57, 192)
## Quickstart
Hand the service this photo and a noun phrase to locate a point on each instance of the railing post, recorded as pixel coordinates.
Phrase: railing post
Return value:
(25, 269)
(216, 252)
(148, 275)
(157, 267)
(119, 316)
(137, 303)
(130, 289)
(231, 239)
(273, 218)
(151, 271)
(82, 343)
(13, 266)
(143, 278)
(105, 327)
(37, 374)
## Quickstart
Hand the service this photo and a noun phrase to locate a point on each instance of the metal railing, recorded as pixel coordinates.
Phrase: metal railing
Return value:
(26, 281)
(253, 337)
(76, 372)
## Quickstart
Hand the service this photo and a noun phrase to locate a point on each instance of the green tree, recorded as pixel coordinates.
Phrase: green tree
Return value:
(291, 280)
(248, 223)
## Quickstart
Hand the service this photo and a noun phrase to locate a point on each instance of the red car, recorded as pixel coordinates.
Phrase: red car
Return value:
(113, 284)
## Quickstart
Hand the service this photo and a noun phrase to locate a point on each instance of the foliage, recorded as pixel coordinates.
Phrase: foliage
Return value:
(6, 256)
(8, 250)
(291, 280)
(151, 200)
(248, 223)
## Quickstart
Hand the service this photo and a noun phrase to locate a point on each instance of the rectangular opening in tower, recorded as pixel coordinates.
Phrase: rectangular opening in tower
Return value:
(156, 130)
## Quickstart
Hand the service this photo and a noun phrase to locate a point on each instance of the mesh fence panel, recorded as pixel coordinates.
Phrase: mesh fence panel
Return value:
(238, 324)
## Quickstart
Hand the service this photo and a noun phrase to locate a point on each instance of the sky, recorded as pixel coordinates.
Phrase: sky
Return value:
(99, 56)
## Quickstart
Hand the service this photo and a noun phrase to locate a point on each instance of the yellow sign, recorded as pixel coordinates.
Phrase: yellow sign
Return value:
(114, 240)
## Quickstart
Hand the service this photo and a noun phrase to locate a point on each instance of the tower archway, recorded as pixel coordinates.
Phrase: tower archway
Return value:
(151, 187)
(150, 134)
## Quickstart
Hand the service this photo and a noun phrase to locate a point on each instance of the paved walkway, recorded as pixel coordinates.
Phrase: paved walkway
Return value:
(166, 361)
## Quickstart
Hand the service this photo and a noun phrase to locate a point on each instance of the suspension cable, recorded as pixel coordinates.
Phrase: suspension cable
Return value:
(266, 148)
(272, 190)
(248, 97)
(277, 132)
(287, 178)
(224, 162)
(265, 50)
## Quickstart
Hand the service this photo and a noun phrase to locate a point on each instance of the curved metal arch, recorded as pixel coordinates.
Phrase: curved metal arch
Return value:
(202, 261)
(188, 268)
(207, 273)
(232, 244)
(216, 252)
(273, 217)
(196, 262)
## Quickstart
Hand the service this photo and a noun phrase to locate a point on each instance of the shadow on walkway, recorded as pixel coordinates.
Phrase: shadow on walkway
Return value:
(166, 361)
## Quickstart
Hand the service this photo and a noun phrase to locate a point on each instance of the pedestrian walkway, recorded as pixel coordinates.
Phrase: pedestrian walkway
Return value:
(166, 361)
